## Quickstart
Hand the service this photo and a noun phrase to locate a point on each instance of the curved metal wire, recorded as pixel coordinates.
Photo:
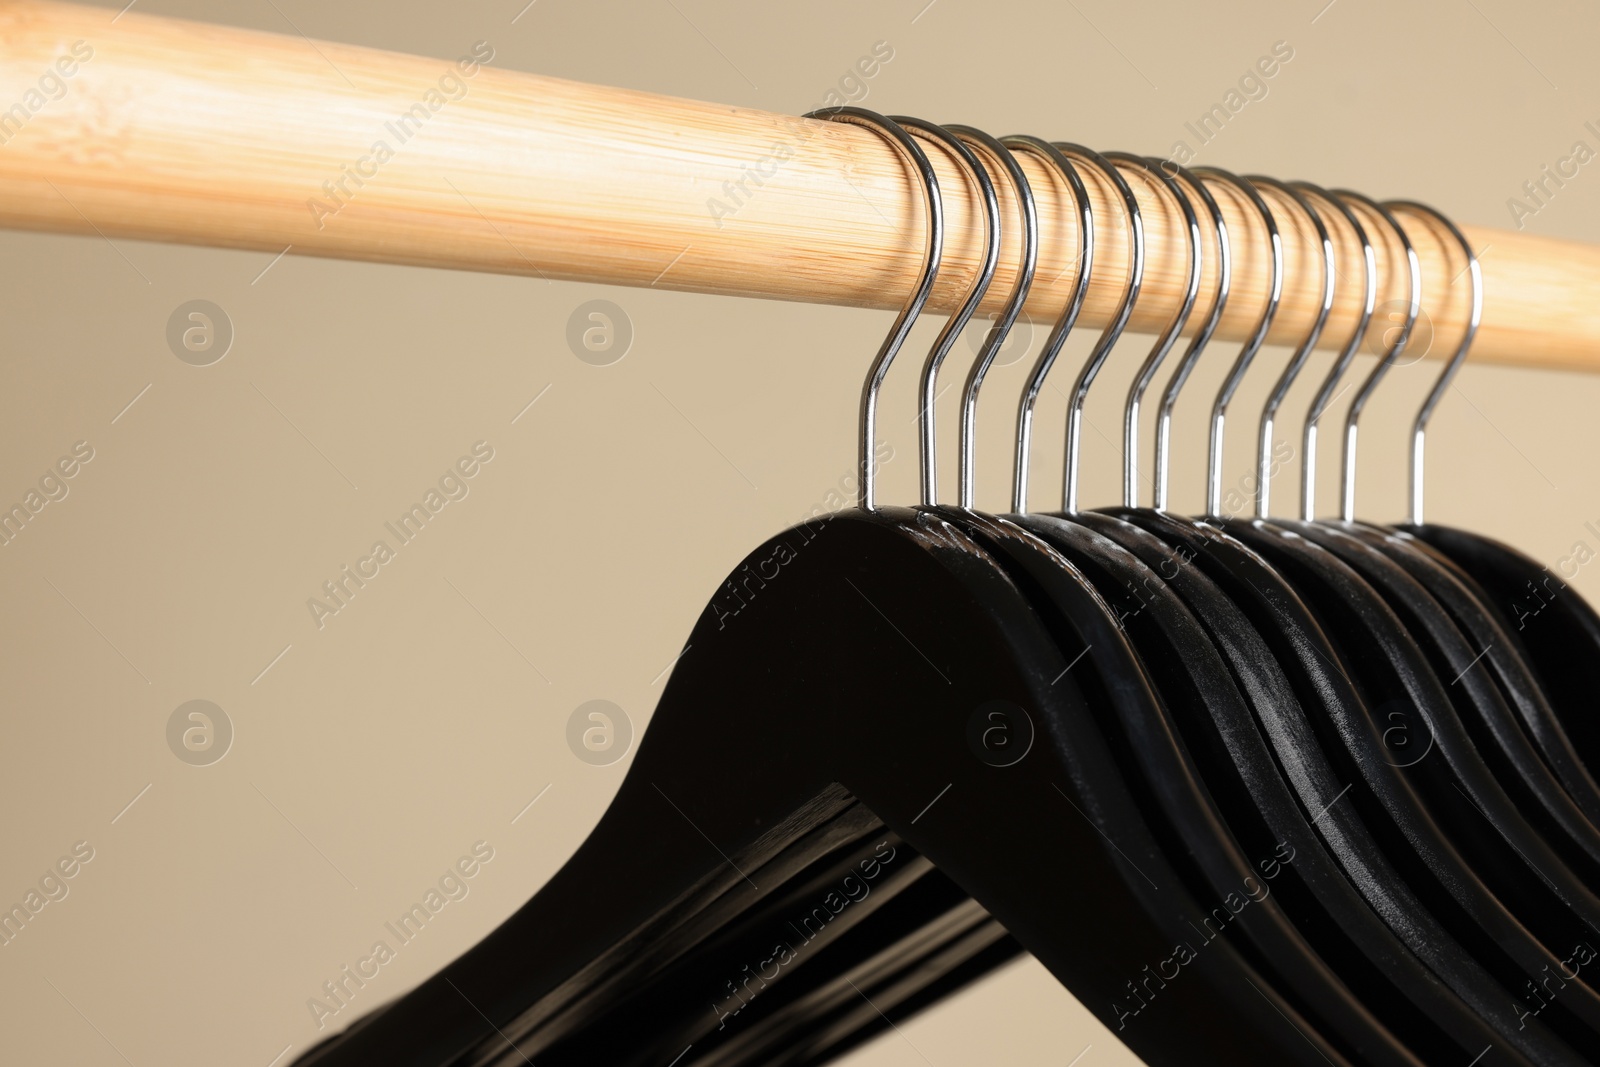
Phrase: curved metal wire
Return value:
(1008, 316)
(902, 142)
(1352, 420)
(1202, 337)
(1297, 362)
(927, 393)
(1053, 157)
(975, 150)
(1247, 354)
(1419, 427)
(1152, 362)
(1325, 394)
(1119, 319)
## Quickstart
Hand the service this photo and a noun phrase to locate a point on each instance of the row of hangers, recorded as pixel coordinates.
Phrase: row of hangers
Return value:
(1254, 789)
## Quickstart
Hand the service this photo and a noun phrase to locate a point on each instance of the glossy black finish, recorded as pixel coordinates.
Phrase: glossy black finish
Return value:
(1382, 656)
(1201, 564)
(1175, 802)
(1481, 691)
(1556, 629)
(1505, 657)
(841, 668)
(1460, 823)
(1364, 782)
(1212, 716)
(878, 951)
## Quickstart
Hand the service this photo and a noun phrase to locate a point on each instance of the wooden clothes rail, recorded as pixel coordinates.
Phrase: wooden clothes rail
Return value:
(146, 127)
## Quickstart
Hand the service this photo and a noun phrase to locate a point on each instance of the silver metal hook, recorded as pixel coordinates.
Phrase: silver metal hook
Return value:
(1352, 419)
(1008, 315)
(1069, 314)
(1247, 354)
(1197, 344)
(927, 394)
(1297, 362)
(1325, 394)
(1419, 428)
(1152, 362)
(909, 150)
(1119, 320)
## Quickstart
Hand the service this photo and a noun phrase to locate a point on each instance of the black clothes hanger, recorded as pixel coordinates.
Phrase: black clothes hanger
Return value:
(906, 745)
(1498, 733)
(1153, 757)
(1487, 723)
(1553, 628)
(1134, 716)
(1378, 941)
(892, 934)
(1457, 788)
(1506, 655)
(1365, 784)
(826, 1010)
(1386, 664)
(644, 889)
(897, 336)
(1437, 980)
(1366, 618)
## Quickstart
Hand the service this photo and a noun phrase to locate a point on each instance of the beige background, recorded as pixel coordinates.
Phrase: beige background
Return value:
(426, 715)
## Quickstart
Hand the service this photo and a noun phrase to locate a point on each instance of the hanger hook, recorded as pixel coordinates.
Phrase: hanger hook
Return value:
(927, 394)
(1419, 428)
(993, 149)
(1297, 362)
(1325, 394)
(911, 153)
(1053, 157)
(1119, 320)
(1352, 419)
(1247, 354)
(1158, 178)
(1202, 337)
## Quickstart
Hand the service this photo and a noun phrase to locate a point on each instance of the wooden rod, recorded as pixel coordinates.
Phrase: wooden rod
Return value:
(145, 127)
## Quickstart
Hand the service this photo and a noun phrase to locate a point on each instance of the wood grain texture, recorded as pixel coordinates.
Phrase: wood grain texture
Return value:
(181, 131)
